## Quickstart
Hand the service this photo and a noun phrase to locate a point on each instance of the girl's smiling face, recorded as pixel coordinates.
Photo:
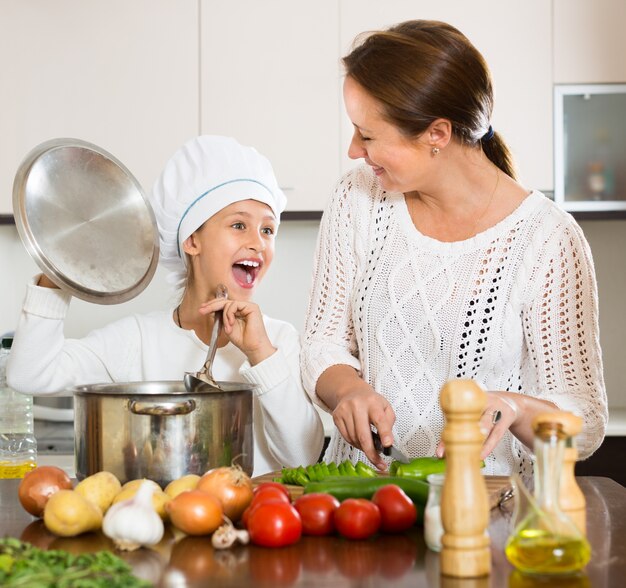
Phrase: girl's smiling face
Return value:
(234, 247)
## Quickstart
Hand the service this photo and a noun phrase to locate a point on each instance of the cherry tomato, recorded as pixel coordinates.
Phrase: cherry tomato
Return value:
(269, 493)
(274, 524)
(317, 511)
(397, 511)
(357, 518)
(278, 485)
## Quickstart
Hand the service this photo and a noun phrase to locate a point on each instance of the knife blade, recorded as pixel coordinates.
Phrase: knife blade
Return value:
(390, 451)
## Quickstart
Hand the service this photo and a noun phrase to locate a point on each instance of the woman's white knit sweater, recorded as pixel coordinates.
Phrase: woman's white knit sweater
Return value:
(513, 308)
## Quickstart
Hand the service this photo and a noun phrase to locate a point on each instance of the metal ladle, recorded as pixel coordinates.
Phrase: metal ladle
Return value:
(204, 378)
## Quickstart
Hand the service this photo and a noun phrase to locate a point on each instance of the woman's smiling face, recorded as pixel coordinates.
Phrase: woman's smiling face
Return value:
(235, 247)
(396, 160)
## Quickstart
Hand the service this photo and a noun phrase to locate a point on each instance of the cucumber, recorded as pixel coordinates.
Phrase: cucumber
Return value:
(320, 471)
(342, 487)
(418, 468)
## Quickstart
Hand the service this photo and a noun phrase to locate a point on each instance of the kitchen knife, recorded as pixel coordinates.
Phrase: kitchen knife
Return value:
(390, 451)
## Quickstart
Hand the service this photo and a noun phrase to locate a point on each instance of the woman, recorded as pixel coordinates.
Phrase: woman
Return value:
(434, 263)
(217, 205)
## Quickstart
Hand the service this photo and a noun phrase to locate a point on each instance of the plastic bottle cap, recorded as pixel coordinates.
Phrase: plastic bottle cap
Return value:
(7, 342)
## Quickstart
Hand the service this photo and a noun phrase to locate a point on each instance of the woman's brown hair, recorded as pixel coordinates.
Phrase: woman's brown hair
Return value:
(422, 70)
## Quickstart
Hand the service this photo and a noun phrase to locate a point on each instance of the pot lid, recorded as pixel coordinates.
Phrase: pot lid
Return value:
(85, 221)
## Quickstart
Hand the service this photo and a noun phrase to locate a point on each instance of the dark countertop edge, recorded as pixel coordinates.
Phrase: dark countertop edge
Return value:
(316, 215)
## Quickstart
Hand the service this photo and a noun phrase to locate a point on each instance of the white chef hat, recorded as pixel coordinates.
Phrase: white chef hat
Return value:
(206, 174)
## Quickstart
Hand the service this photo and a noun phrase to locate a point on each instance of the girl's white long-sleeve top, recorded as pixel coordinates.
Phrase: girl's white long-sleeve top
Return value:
(513, 308)
(149, 347)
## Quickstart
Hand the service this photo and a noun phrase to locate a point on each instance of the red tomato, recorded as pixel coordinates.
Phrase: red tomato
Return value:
(357, 518)
(317, 511)
(274, 524)
(278, 485)
(397, 511)
(268, 494)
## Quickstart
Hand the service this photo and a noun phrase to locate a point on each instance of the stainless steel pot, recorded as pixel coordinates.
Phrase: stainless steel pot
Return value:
(158, 430)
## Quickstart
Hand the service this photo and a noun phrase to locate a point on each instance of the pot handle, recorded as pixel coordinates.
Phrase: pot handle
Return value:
(161, 408)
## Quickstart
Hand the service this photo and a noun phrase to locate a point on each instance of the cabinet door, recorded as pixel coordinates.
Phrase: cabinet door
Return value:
(516, 40)
(270, 78)
(589, 41)
(122, 75)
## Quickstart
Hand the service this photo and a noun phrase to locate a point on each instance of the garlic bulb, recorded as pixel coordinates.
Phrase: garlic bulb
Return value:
(133, 523)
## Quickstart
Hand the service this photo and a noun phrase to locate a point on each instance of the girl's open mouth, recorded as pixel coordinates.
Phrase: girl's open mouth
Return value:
(246, 272)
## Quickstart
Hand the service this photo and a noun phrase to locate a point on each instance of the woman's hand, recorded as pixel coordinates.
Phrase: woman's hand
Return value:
(243, 324)
(501, 414)
(356, 412)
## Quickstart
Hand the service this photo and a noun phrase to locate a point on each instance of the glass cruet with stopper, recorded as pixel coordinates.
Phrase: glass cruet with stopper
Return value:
(546, 541)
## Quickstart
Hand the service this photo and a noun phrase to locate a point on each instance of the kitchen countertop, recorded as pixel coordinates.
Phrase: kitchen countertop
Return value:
(390, 561)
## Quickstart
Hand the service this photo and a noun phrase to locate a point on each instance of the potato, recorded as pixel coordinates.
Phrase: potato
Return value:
(159, 498)
(100, 488)
(188, 482)
(68, 513)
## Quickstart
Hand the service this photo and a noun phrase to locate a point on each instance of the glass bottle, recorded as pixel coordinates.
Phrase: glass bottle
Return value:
(546, 541)
(18, 447)
(433, 528)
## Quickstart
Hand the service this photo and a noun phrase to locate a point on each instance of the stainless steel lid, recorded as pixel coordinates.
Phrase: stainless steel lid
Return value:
(85, 221)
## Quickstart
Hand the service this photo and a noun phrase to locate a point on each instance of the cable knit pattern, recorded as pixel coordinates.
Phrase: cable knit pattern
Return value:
(513, 308)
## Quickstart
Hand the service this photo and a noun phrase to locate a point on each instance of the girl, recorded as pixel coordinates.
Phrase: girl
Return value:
(217, 205)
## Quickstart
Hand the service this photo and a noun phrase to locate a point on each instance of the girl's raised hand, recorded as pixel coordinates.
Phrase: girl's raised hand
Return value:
(243, 324)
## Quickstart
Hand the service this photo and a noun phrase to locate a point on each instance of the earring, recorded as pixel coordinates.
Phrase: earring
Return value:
(435, 150)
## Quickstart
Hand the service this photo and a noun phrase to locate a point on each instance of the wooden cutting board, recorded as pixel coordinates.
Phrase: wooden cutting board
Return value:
(497, 487)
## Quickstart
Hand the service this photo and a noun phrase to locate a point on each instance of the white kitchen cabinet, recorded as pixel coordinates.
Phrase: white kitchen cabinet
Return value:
(516, 40)
(122, 75)
(270, 78)
(589, 41)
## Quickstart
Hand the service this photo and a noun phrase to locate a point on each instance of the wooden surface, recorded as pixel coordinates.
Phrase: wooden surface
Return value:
(401, 561)
(497, 486)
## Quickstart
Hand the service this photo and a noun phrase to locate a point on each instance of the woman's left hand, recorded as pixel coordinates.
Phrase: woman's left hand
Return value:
(243, 324)
(500, 414)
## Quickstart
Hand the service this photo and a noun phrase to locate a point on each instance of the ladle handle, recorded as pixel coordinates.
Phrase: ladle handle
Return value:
(220, 292)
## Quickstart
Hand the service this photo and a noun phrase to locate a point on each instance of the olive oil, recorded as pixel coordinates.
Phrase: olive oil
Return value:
(539, 552)
(15, 470)
(546, 541)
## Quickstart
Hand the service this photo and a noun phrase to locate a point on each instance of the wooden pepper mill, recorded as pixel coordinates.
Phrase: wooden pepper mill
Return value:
(571, 498)
(465, 549)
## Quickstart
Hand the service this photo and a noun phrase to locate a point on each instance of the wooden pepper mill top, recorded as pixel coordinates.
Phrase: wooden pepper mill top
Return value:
(464, 501)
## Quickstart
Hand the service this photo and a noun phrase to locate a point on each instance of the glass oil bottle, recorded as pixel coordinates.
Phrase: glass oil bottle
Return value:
(546, 541)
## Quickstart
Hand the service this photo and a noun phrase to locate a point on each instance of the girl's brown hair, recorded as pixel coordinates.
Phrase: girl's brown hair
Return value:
(422, 70)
